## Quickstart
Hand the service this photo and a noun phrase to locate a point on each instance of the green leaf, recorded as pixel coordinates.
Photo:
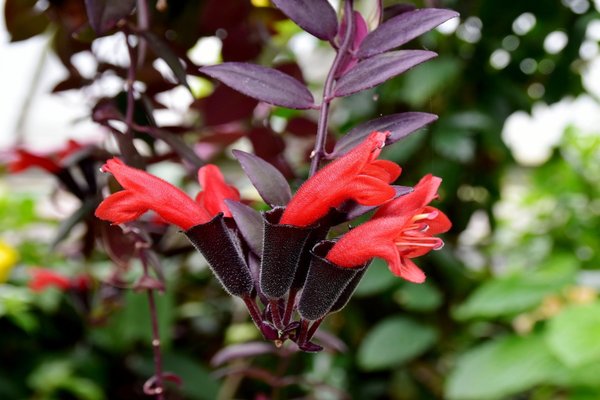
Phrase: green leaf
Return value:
(513, 294)
(198, 383)
(501, 368)
(420, 84)
(393, 342)
(574, 334)
(414, 297)
(377, 279)
(132, 323)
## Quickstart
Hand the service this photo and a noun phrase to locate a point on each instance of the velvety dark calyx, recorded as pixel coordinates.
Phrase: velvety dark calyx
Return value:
(349, 290)
(334, 217)
(218, 246)
(324, 284)
(282, 249)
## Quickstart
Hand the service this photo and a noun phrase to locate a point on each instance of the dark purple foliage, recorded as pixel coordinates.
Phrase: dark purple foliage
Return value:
(399, 125)
(316, 17)
(242, 350)
(104, 14)
(162, 50)
(402, 29)
(376, 70)
(250, 223)
(270, 183)
(262, 83)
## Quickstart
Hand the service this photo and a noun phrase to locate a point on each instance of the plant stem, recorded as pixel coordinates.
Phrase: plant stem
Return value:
(303, 331)
(158, 372)
(289, 309)
(276, 316)
(143, 21)
(30, 96)
(131, 75)
(159, 390)
(313, 328)
(253, 310)
(319, 149)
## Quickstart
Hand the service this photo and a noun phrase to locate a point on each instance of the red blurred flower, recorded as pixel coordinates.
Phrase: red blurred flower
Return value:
(42, 278)
(144, 192)
(357, 175)
(216, 191)
(51, 162)
(400, 230)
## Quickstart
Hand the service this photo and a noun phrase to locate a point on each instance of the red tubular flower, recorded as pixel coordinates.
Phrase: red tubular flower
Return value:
(25, 159)
(216, 191)
(357, 175)
(400, 230)
(42, 278)
(145, 192)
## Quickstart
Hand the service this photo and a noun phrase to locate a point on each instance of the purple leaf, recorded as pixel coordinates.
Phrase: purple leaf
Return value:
(104, 14)
(316, 17)
(331, 341)
(399, 126)
(397, 9)
(249, 222)
(270, 183)
(402, 29)
(355, 210)
(262, 83)
(243, 350)
(376, 70)
(162, 50)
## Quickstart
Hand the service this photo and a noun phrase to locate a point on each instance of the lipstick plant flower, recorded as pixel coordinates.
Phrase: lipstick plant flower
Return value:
(399, 231)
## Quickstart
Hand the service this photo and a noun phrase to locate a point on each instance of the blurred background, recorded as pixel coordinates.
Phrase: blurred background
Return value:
(510, 309)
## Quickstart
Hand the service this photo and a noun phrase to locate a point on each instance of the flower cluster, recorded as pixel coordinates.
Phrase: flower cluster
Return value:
(288, 263)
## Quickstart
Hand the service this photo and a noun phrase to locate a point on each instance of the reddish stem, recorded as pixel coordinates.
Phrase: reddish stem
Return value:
(253, 310)
(158, 372)
(275, 315)
(289, 308)
(319, 149)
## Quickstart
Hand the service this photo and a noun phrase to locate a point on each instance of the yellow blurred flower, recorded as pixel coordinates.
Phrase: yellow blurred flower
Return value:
(8, 259)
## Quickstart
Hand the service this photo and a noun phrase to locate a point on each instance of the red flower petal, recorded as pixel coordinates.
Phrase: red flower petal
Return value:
(402, 229)
(215, 190)
(148, 192)
(424, 192)
(27, 160)
(121, 207)
(406, 269)
(42, 279)
(345, 178)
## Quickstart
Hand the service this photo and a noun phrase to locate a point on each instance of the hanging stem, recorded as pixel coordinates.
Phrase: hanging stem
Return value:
(313, 328)
(289, 309)
(253, 310)
(319, 149)
(158, 387)
(275, 314)
(303, 331)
